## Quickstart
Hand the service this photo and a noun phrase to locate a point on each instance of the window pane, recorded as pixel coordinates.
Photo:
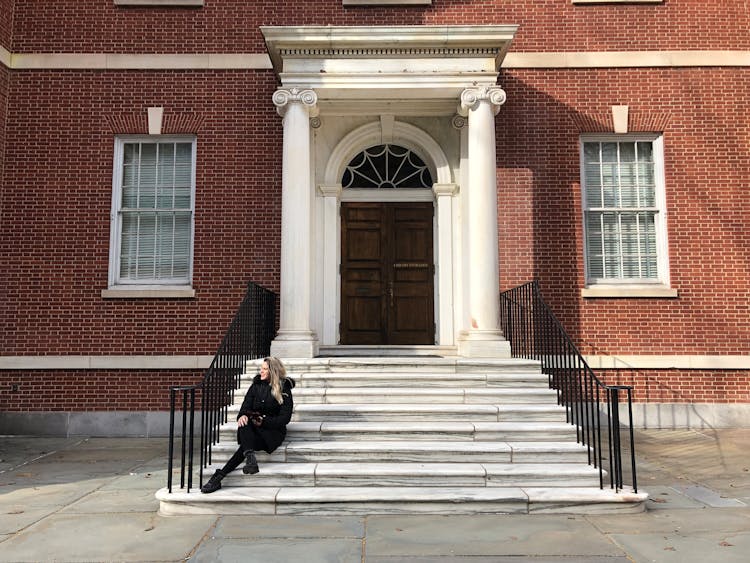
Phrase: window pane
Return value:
(591, 153)
(593, 185)
(645, 151)
(609, 185)
(628, 185)
(609, 152)
(627, 152)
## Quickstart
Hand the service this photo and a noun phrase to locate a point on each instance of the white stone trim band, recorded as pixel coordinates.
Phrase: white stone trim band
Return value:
(103, 362)
(669, 362)
(248, 61)
(202, 362)
(117, 61)
(625, 59)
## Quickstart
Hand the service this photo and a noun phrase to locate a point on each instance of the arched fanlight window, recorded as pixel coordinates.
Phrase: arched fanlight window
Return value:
(387, 166)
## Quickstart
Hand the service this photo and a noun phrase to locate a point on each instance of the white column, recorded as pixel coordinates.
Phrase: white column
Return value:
(444, 202)
(295, 338)
(483, 338)
(331, 245)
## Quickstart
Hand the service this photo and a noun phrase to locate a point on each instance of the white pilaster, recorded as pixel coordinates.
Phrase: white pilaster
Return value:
(331, 196)
(444, 194)
(483, 337)
(295, 338)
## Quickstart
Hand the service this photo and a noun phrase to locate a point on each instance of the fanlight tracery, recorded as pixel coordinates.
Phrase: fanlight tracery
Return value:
(386, 166)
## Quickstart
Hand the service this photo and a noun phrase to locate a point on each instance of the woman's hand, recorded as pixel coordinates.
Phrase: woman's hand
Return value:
(242, 421)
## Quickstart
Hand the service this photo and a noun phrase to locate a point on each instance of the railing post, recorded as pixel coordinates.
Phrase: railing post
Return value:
(170, 463)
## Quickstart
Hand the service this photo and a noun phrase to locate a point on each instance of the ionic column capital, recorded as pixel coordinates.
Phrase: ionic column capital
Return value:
(308, 99)
(472, 97)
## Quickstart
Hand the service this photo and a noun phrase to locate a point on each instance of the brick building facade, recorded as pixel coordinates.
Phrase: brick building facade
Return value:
(85, 351)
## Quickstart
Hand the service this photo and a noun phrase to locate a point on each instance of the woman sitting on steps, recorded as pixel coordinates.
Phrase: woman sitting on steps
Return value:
(261, 422)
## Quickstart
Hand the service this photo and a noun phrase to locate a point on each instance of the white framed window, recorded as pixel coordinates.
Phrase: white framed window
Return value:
(624, 211)
(151, 240)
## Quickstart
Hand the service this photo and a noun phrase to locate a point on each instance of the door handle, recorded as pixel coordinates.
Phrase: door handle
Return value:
(390, 292)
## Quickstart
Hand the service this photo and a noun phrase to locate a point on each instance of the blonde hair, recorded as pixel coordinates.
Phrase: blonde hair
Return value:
(277, 374)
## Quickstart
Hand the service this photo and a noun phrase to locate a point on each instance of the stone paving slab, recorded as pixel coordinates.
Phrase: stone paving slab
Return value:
(498, 559)
(677, 548)
(103, 502)
(485, 535)
(290, 527)
(329, 550)
(107, 537)
(14, 519)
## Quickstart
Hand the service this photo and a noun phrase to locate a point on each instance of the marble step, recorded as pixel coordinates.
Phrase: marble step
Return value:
(426, 412)
(422, 395)
(361, 501)
(416, 430)
(401, 364)
(416, 379)
(421, 451)
(392, 474)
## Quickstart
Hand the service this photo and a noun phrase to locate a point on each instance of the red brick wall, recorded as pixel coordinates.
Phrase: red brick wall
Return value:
(57, 185)
(54, 237)
(683, 386)
(701, 113)
(6, 23)
(90, 390)
(232, 25)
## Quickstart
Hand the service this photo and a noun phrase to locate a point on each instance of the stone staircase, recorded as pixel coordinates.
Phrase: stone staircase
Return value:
(419, 434)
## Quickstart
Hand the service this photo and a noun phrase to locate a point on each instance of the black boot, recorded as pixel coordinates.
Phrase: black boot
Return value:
(214, 483)
(251, 464)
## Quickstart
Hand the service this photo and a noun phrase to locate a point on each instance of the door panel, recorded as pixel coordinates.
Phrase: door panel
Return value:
(387, 273)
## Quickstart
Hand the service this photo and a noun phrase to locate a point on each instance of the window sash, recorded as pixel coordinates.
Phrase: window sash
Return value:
(622, 216)
(154, 203)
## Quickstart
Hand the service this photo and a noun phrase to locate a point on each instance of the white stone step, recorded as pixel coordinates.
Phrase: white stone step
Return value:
(402, 364)
(426, 412)
(385, 474)
(360, 501)
(420, 451)
(416, 379)
(410, 395)
(416, 430)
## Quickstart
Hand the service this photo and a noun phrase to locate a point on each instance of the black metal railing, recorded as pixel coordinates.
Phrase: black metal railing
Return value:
(249, 336)
(592, 406)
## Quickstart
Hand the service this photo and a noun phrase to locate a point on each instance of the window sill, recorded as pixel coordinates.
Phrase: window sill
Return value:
(617, 1)
(158, 3)
(167, 292)
(387, 2)
(658, 291)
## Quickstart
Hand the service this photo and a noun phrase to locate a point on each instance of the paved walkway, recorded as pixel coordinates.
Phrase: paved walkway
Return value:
(93, 500)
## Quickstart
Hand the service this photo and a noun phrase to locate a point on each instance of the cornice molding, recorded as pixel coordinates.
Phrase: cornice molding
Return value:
(259, 61)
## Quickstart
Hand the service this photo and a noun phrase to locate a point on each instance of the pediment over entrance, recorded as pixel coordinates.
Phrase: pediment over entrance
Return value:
(388, 63)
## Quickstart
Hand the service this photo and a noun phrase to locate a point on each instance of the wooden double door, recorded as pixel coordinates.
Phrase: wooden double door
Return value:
(387, 273)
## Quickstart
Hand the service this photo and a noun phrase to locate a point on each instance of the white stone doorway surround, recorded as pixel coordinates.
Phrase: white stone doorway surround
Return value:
(431, 89)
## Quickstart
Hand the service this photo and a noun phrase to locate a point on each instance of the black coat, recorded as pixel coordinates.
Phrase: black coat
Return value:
(275, 416)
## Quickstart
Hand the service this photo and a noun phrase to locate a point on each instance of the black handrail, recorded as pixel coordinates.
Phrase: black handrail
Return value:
(249, 336)
(535, 333)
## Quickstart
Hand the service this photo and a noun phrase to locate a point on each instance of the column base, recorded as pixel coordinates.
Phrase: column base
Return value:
(295, 344)
(483, 344)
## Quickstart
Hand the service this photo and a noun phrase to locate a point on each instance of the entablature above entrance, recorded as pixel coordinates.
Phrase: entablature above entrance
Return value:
(388, 62)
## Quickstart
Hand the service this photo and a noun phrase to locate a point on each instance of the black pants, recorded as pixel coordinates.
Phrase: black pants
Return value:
(250, 440)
